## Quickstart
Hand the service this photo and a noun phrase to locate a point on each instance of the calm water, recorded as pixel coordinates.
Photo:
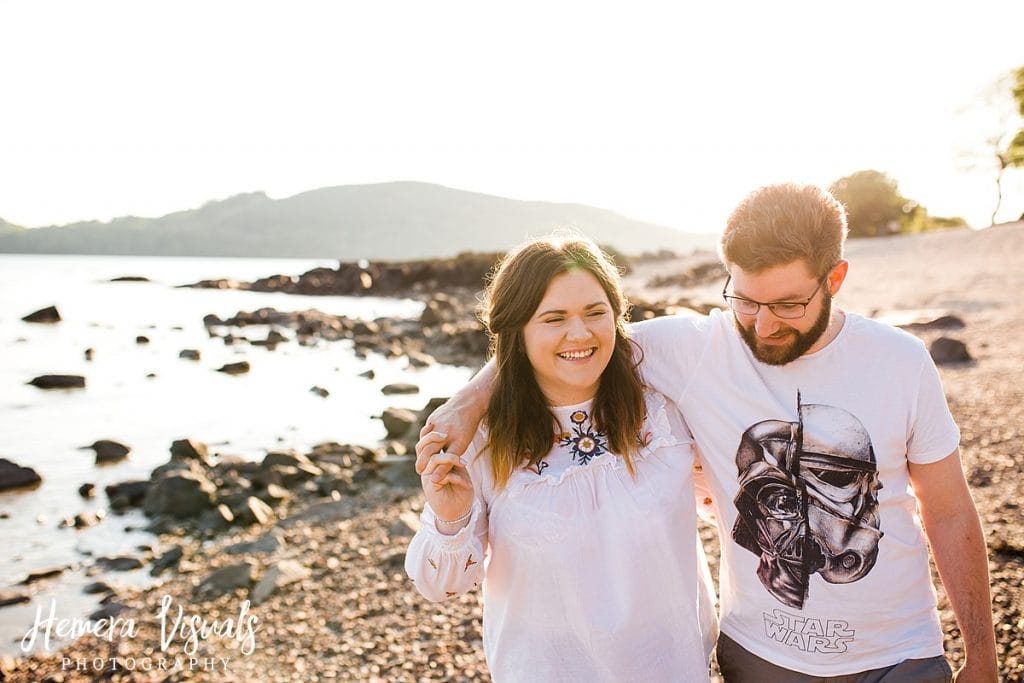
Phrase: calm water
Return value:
(271, 407)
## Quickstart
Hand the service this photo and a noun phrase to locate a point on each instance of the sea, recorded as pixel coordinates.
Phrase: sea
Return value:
(145, 396)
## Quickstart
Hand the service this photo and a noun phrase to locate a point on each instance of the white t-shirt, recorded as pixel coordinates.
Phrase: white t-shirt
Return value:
(824, 564)
(588, 573)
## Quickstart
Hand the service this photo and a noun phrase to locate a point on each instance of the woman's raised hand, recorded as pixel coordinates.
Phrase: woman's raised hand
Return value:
(444, 477)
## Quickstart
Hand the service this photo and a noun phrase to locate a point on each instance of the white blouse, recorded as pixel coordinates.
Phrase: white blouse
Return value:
(588, 573)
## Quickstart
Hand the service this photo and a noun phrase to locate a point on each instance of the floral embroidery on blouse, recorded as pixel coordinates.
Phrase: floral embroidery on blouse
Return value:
(432, 563)
(469, 563)
(539, 467)
(584, 442)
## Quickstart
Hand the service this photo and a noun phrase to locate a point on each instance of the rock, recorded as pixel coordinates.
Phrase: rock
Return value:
(392, 560)
(420, 360)
(217, 519)
(943, 322)
(399, 388)
(281, 574)
(59, 382)
(254, 511)
(43, 315)
(239, 368)
(948, 350)
(130, 278)
(83, 520)
(142, 339)
(286, 458)
(87, 490)
(108, 451)
(108, 611)
(13, 476)
(276, 494)
(97, 587)
(41, 574)
(407, 524)
(190, 449)
(184, 494)
(268, 543)
(12, 598)
(119, 563)
(398, 421)
(169, 559)
(369, 374)
(320, 391)
(227, 579)
(127, 493)
(400, 471)
(189, 354)
(89, 353)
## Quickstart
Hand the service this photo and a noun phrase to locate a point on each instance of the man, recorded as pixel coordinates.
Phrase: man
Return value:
(813, 425)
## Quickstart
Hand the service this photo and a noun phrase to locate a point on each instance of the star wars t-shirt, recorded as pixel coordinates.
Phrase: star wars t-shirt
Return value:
(824, 563)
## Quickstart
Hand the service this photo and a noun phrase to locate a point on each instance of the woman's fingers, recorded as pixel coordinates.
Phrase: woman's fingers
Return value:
(439, 464)
(429, 444)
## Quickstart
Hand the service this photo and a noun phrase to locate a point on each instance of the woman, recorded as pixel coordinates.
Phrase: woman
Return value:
(574, 504)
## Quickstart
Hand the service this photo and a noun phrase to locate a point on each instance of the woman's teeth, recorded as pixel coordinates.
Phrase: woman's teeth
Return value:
(577, 355)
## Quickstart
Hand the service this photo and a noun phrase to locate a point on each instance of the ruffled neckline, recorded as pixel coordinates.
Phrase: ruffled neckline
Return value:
(656, 433)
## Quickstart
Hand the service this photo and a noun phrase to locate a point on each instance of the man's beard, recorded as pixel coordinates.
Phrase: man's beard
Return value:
(782, 354)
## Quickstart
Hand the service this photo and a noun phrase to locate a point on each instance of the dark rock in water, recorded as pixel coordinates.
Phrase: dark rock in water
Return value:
(189, 354)
(946, 350)
(398, 421)
(13, 476)
(59, 382)
(120, 563)
(142, 339)
(130, 278)
(108, 451)
(43, 315)
(227, 579)
(150, 375)
(238, 368)
(127, 493)
(369, 374)
(190, 449)
(89, 353)
(108, 611)
(210, 320)
(169, 559)
(420, 360)
(399, 388)
(87, 490)
(97, 587)
(320, 391)
(184, 494)
(217, 519)
(12, 598)
(41, 574)
(83, 520)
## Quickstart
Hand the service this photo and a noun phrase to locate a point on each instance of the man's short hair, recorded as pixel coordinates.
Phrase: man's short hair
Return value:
(778, 224)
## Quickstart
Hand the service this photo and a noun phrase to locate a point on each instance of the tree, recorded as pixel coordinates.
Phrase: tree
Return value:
(873, 203)
(999, 108)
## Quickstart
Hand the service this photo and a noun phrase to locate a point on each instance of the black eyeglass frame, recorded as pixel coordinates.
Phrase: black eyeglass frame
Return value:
(771, 306)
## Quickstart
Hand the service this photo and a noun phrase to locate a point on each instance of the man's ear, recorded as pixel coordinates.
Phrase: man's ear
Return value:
(837, 276)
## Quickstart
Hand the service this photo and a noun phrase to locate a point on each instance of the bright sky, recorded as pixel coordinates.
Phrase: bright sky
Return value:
(665, 111)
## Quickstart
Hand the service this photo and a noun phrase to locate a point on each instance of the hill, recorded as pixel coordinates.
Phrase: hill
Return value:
(400, 220)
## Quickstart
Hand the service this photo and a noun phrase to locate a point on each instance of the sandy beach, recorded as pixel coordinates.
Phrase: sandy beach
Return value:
(329, 596)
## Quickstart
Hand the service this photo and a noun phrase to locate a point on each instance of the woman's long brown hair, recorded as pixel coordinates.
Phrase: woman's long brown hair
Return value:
(521, 426)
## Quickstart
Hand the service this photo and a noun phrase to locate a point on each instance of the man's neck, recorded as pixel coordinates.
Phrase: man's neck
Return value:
(835, 326)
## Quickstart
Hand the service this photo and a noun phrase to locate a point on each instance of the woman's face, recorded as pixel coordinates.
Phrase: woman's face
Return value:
(570, 338)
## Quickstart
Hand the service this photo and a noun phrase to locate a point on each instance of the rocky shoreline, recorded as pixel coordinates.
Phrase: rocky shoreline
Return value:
(315, 541)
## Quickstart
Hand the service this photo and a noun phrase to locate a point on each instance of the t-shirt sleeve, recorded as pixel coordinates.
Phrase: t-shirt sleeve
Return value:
(933, 434)
(671, 347)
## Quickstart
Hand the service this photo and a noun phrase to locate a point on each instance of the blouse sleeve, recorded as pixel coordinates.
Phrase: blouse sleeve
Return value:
(443, 567)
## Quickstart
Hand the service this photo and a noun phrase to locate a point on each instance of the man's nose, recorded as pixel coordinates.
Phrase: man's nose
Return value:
(765, 322)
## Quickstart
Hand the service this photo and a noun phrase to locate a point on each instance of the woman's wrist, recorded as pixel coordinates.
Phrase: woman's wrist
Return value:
(450, 527)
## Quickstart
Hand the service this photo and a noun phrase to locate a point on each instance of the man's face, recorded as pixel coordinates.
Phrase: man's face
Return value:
(774, 340)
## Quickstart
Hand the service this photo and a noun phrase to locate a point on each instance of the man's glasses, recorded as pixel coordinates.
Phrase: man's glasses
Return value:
(787, 310)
